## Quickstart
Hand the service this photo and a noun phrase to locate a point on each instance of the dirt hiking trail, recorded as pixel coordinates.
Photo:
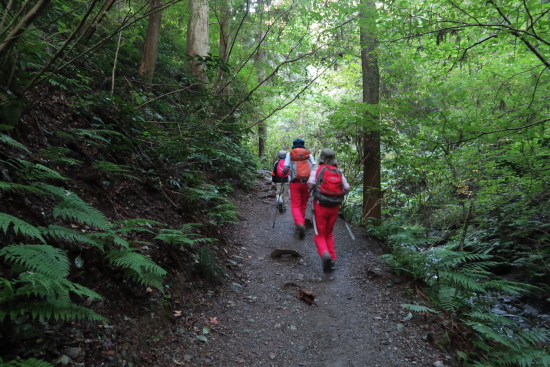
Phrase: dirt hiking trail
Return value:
(259, 320)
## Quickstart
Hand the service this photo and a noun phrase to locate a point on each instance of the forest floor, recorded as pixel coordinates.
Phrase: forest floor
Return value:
(258, 318)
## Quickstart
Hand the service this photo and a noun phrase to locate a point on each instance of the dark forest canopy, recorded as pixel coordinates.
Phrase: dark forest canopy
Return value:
(437, 110)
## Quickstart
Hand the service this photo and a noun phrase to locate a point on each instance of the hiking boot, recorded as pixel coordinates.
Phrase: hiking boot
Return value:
(301, 229)
(328, 264)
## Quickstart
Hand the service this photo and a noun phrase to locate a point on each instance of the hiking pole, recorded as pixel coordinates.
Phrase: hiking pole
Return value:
(349, 230)
(313, 217)
(280, 194)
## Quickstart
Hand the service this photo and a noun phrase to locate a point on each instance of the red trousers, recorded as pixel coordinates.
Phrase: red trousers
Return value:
(299, 195)
(325, 218)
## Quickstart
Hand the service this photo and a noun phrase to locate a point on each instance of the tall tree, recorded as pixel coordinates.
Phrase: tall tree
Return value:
(150, 50)
(260, 59)
(223, 15)
(11, 39)
(371, 97)
(197, 35)
(93, 27)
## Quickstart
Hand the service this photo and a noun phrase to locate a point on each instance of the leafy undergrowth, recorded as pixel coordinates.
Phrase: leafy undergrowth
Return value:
(490, 320)
(106, 229)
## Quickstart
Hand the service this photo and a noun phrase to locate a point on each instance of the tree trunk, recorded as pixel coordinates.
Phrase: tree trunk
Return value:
(223, 18)
(371, 96)
(150, 50)
(23, 25)
(197, 35)
(260, 61)
(90, 32)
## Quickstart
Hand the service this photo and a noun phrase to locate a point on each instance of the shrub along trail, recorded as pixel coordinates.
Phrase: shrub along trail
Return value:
(257, 319)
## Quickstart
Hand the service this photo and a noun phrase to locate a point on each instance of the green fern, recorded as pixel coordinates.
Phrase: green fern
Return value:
(75, 208)
(418, 308)
(113, 168)
(19, 226)
(110, 238)
(223, 214)
(101, 135)
(31, 362)
(58, 155)
(43, 278)
(182, 236)
(67, 234)
(10, 141)
(13, 187)
(134, 225)
(137, 267)
(33, 171)
(44, 310)
(44, 259)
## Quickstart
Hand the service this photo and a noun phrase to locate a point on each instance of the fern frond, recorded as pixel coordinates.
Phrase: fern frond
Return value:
(488, 333)
(57, 310)
(182, 236)
(464, 281)
(131, 223)
(96, 134)
(43, 259)
(75, 208)
(31, 362)
(491, 318)
(57, 155)
(34, 171)
(71, 235)
(510, 287)
(111, 237)
(142, 269)
(42, 285)
(19, 226)
(10, 187)
(113, 168)
(10, 141)
(448, 298)
(54, 190)
(418, 308)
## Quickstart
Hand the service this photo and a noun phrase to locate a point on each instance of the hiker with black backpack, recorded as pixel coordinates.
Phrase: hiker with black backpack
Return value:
(328, 187)
(299, 162)
(279, 177)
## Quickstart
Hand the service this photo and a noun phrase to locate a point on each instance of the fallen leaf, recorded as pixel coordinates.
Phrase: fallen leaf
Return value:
(214, 320)
(177, 314)
(206, 329)
(202, 338)
(307, 297)
(148, 290)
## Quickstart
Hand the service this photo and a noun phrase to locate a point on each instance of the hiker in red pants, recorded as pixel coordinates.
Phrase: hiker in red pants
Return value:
(328, 186)
(300, 163)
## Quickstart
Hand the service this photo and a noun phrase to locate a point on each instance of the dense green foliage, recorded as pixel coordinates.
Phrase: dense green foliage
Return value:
(463, 116)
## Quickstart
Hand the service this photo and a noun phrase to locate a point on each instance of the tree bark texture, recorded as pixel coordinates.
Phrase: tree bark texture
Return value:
(22, 26)
(197, 35)
(91, 30)
(150, 50)
(371, 96)
(261, 59)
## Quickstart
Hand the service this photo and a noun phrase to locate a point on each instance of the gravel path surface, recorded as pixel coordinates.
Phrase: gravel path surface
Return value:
(259, 319)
